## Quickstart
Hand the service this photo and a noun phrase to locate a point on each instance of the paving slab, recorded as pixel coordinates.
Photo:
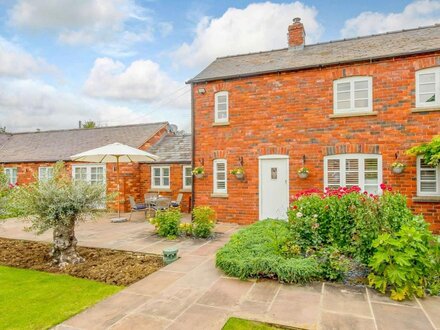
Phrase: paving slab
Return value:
(141, 322)
(201, 317)
(154, 283)
(264, 291)
(389, 317)
(332, 321)
(431, 305)
(343, 299)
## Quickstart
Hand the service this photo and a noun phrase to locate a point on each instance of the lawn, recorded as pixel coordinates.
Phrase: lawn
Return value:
(241, 324)
(36, 300)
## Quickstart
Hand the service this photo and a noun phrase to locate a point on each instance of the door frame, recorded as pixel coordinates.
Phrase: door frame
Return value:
(260, 181)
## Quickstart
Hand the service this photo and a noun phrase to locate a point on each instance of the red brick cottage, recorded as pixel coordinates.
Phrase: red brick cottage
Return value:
(346, 110)
(29, 156)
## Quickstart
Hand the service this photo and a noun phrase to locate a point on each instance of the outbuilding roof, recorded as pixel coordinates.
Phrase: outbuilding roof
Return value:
(392, 44)
(173, 149)
(51, 146)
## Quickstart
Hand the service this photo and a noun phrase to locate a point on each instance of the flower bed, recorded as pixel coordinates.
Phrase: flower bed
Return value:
(343, 235)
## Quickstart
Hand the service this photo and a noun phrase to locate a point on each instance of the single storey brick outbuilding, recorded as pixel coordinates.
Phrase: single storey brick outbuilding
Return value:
(345, 109)
(30, 156)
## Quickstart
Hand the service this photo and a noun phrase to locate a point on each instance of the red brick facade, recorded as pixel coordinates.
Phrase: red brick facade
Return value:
(290, 113)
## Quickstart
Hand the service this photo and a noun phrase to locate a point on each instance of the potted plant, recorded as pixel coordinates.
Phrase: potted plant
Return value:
(238, 172)
(397, 167)
(199, 172)
(303, 172)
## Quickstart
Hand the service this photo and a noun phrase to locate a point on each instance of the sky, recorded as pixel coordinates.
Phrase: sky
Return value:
(120, 62)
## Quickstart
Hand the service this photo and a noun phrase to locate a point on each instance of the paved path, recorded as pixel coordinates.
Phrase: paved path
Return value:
(192, 294)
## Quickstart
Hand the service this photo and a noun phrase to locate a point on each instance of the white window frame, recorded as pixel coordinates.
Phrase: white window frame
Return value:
(352, 108)
(216, 189)
(419, 183)
(89, 171)
(216, 118)
(161, 177)
(43, 173)
(185, 176)
(436, 103)
(9, 172)
(342, 170)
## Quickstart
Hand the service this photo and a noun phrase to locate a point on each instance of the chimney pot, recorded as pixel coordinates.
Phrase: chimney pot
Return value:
(296, 34)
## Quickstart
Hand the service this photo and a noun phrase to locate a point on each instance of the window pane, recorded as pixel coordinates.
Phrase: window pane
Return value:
(427, 98)
(166, 181)
(340, 87)
(221, 107)
(428, 186)
(221, 99)
(333, 165)
(361, 94)
(188, 171)
(371, 178)
(188, 181)
(361, 103)
(344, 96)
(157, 181)
(220, 167)
(371, 164)
(166, 171)
(363, 84)
(334, 179)
(427, 88)
(156, 171)
(428, 175)
(371, 189)
(344, 105)
(352, 164)
(426, 78)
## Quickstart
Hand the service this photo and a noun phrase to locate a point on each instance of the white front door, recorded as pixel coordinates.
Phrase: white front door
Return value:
(274, 186)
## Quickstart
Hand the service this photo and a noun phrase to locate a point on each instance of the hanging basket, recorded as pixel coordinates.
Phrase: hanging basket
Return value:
(303, 175)
(239, 176)
(397, 170)
(199, 175)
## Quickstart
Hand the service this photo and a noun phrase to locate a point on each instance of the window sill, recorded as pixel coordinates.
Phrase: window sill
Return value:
(421, 109)
(185, 190)
(426, 199)
(218, 195)
(354, 114)
(221, 124)
(160, 190)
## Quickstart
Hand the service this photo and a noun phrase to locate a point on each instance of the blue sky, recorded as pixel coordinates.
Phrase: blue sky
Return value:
(126, 61)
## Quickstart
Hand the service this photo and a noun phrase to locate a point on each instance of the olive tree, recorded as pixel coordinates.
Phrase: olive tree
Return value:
(4, 193)
(59, 204)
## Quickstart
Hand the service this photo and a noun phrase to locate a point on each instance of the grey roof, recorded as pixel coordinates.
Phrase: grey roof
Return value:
(390, 44)
(60, 145)
(173, 149)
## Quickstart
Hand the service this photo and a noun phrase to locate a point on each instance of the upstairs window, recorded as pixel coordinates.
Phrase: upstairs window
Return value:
(428, 179)
(220, 177)
(428, 87)
(187, 177)
(221, 107)
(348, 170)
(11, 174)
(352, 95)
(45, 173)
(160, 177)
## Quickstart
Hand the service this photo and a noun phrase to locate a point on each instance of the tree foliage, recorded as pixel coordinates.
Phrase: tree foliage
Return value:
(430, 151)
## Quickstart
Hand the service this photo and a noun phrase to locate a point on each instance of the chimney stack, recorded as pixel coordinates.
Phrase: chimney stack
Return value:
(296, 35)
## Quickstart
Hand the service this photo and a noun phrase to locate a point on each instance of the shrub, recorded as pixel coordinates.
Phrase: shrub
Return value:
(256, 251)
(334, 264)
(204, 221)
(186, 229)
(167, 223)
(403, 261)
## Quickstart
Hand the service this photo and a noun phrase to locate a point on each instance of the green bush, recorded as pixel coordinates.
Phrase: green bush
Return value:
(203, 221)
(167, 223)
(256, 251)
(404, 261)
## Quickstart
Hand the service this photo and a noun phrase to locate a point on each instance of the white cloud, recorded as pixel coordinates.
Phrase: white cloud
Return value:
(27, 104)
(142, 80)
(257, 27)
(417, 13)
(109, 26)
(16, 62)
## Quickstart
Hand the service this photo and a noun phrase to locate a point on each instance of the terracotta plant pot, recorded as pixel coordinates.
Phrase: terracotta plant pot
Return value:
(303, 175)
(397, 170)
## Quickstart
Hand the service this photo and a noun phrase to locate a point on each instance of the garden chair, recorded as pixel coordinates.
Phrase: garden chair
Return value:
(150, 199)
(136, 207)
(178, 201)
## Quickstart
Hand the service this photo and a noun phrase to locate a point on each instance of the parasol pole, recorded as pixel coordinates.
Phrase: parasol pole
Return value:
(119, 186)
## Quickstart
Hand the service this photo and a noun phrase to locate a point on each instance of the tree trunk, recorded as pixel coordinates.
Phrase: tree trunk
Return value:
(64, 245)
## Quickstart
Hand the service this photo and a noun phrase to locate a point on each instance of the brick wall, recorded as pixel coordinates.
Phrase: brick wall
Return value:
(290, 113)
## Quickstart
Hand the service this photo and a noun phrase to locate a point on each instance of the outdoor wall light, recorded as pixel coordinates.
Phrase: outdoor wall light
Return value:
(202, 90)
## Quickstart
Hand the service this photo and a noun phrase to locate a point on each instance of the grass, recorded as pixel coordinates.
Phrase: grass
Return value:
(36, 300)
(240, 324)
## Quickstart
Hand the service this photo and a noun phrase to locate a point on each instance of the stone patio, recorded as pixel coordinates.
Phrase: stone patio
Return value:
(192, 294)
